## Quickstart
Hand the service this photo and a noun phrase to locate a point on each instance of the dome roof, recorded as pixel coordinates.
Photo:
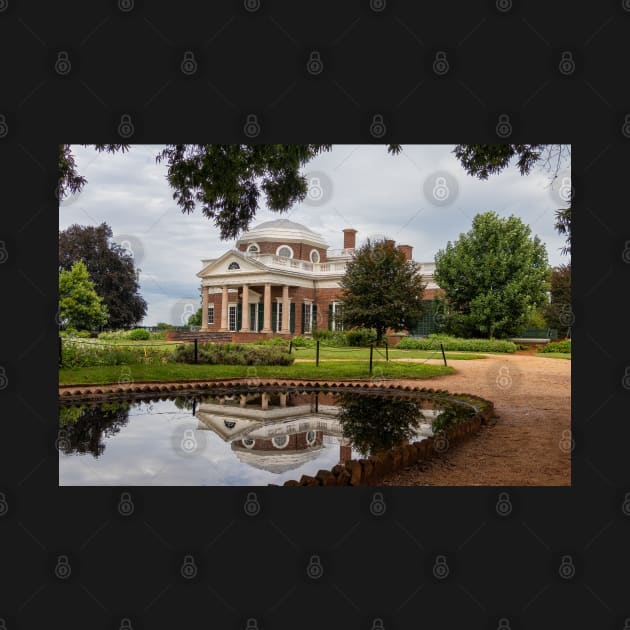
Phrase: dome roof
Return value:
(283, 230)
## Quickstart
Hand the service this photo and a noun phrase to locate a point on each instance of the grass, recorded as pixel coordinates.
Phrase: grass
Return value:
(182, 371)
(554, 355)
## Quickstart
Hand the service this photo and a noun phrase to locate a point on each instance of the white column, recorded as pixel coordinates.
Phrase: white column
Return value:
(245, 315)
(267, 310)
(204, 308)
(224, 310)
(285, 309)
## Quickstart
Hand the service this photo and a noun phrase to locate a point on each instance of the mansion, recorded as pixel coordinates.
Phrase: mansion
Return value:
(281, 278)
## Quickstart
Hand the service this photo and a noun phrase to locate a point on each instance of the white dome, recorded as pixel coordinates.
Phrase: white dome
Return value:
(281, 230)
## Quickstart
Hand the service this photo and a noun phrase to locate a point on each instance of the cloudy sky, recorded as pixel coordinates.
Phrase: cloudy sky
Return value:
(421, 197)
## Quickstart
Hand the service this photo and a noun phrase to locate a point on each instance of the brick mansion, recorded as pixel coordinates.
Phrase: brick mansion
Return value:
(281, 278)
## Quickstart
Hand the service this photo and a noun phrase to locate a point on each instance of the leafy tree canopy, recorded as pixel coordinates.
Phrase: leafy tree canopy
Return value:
(381, 289)
(111, 269)
(558, 313)
(80, 307)
(492, 276)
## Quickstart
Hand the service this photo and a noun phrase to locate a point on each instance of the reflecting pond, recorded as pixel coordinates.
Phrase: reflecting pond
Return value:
(240, 437)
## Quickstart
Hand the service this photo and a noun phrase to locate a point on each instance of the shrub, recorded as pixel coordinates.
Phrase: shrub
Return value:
(75, 353)
(432, 342)
(360, 336)
(234, 354)
(164, 326)
(303, 342)
(557, 346)
(273, 341)
(139, 334)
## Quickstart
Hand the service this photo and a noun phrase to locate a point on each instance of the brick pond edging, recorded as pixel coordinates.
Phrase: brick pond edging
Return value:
(365, 472)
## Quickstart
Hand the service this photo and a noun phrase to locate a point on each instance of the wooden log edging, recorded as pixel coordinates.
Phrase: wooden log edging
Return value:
(366, 472)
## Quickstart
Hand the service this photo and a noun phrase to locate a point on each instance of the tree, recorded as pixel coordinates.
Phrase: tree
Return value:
(111, 268)
(381, 289)
(558, 312)
(225, 179)
(195, 318)
(80, 307)
(492, 276)
(483, 160)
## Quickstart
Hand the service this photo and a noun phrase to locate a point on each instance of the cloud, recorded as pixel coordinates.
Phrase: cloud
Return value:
(370, 190)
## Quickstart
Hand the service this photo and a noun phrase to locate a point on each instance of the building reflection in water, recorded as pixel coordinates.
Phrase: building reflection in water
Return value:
(280, 431)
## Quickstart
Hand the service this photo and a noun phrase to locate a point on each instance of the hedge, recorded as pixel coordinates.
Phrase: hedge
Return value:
(233, 354)
(458, 344)
(557, 346)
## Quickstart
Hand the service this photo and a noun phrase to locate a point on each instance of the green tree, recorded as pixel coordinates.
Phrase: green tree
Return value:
(381, 289)
(483, 160)
(195, 318)
(111, 268)
(492, 276)
(80, 307)
(558, 312)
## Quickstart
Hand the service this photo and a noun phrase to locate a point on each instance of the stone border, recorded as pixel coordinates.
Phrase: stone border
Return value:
(117, 391)
(366, 472)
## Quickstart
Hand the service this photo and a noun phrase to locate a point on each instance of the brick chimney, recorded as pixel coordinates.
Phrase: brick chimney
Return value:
(390, 241)
(349, 238)
(407, 250)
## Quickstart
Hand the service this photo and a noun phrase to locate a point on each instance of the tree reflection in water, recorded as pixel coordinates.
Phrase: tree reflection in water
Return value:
(82, 429)
(375, 423)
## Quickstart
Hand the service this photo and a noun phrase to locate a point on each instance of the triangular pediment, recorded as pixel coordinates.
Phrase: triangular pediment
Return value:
(227, 264)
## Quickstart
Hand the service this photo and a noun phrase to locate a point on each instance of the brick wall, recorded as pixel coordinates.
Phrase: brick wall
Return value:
(301, 251)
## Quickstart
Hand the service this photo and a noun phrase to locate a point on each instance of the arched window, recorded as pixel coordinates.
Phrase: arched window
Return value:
(233, 265)
(285, 251)
(253, 248)
(310, 438)
(314, 256)
(280, 441)
(249, 443)
(228, 424)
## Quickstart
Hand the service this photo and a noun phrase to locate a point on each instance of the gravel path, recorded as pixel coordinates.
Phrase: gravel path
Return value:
(526, 446)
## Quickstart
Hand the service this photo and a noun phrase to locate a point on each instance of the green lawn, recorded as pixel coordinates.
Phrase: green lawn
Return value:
(182, 371)
(554, 355)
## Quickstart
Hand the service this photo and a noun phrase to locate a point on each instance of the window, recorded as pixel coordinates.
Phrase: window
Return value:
(285, 251)
(314, 256)
(308, 317)
(253, 249)
(228, 424)
(249, 443)
(233, 265)
(210, 313)
(232, 317)
(310, 438)
(337, 316)
(280, 441)
(279, 317)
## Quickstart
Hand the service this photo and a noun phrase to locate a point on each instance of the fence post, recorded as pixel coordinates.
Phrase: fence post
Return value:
(371, 352)
(196, 350)
(386, 351)
(60, 351)
(443, 355)
(317, 354)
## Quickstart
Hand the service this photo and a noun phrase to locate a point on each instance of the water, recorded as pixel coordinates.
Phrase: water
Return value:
(244, 438)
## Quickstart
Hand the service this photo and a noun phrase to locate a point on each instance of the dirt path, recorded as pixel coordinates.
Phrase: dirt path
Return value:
(527, 443)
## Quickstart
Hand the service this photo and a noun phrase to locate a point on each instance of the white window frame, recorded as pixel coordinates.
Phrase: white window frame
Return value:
(253, 245)
(314, 251)
(232, 308)
(282, 247)
(210, 313)
(308, 321)
(333, 326)
(284, 438)
(278, 315)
